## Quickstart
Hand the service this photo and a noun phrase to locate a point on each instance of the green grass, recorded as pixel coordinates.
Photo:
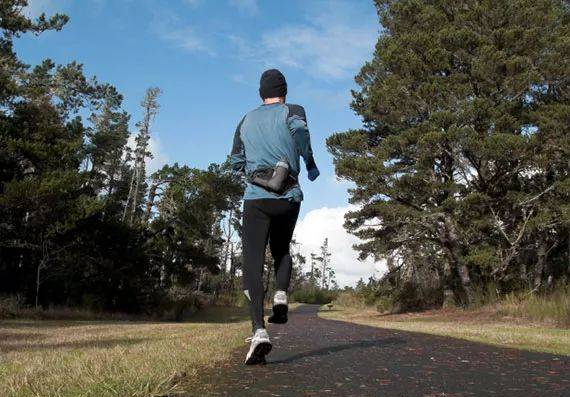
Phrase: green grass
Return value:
(114, 358)
(466, 325)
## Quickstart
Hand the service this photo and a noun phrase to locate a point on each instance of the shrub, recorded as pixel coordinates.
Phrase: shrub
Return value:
(231, 299)
(384, 304)
(485, 295)
(350, 299)
(179, 304)
(313, 296)
(13, 307)
(552, 307)
(10, 306)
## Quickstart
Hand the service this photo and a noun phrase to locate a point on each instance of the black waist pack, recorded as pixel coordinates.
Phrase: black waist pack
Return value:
(276, 179)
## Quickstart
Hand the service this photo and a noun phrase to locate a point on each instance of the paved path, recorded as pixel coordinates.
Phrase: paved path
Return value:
(317, 357)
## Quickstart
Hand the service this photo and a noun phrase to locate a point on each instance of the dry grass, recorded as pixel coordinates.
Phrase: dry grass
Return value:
(113, 358)
(553, 308)
(479, 326)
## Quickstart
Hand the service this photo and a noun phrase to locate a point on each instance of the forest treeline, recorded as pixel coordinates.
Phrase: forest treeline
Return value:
(460, 171)
(84, 224)
(461, 167)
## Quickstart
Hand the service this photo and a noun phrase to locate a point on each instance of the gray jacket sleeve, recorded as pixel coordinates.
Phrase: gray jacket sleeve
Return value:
(297, 122)
(237, 156)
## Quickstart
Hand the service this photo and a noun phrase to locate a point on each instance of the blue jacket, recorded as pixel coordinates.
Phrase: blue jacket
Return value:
(266, 135)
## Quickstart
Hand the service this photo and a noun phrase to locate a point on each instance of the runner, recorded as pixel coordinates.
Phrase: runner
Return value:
(267, 145)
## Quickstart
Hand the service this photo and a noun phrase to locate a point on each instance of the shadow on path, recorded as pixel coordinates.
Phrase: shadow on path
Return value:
(338, 348)
(317, 357)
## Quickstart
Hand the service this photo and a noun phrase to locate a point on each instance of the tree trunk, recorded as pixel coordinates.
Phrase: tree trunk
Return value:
(447, 282)
(449, 238)
(466, 283)
(540, 264)
(199, 283)
(523, 272)
(150, 200)
(229, 234)
(38, 286)
(232, 264)
(129, 196)
(38, 282)
(135, 198)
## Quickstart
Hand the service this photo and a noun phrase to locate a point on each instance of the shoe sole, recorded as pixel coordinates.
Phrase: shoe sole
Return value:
(259, 353)
(279, 314)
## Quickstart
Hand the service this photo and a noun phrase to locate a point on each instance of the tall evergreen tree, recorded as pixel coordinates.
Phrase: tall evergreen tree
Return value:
(465, 141)
(67, 181)
(107, 143)
(325, 259)
(138, 179)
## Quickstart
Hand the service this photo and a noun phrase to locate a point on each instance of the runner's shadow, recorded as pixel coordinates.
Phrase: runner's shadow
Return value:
(339, 348)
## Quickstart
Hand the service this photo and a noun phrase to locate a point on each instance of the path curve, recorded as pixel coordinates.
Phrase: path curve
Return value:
(317, 357)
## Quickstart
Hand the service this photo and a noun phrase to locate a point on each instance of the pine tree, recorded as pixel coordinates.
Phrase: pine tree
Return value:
(325, 260)
(136, 190)
(45, 200)
(457, 102)
(107, 143)
(14, 23)
(298, 278)
(314, 274)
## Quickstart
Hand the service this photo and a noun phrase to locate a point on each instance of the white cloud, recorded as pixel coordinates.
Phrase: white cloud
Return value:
(328, 223)
(187, 39)
(248, 6)
(332, 42)
(169, 27)
(159, 157)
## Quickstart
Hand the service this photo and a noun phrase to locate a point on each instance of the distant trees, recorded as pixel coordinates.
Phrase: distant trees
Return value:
(185, 233)
(321, 273)
(81, 222)
(461, 167)
(327, 272)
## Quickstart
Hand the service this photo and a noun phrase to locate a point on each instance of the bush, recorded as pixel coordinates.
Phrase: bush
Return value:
(179, 304)
(384, 304)
(485, 295)
(350, 299)
(13, 307)
(553, 307)
(313, 296)
(231, 299)
(356, 300)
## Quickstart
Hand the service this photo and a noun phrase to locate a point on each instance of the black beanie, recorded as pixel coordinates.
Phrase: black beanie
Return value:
(272, 84)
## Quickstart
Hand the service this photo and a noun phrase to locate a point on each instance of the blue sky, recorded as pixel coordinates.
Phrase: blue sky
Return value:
(207, 56)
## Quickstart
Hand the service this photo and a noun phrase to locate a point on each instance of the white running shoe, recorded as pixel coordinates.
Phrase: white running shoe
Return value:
(259, 348)
(280, 308)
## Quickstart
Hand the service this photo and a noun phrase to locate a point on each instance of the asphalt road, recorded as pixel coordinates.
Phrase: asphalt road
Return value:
(316, 357)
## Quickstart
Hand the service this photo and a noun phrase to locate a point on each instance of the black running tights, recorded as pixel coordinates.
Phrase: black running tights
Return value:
(273, 220)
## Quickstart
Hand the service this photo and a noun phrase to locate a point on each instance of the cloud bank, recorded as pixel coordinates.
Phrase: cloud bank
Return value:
(327, 223)
(159, 158)
(328, 46)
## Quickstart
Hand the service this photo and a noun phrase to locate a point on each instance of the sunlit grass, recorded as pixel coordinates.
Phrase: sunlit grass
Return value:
(554, 307)
(113, 358)
(540, 338)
